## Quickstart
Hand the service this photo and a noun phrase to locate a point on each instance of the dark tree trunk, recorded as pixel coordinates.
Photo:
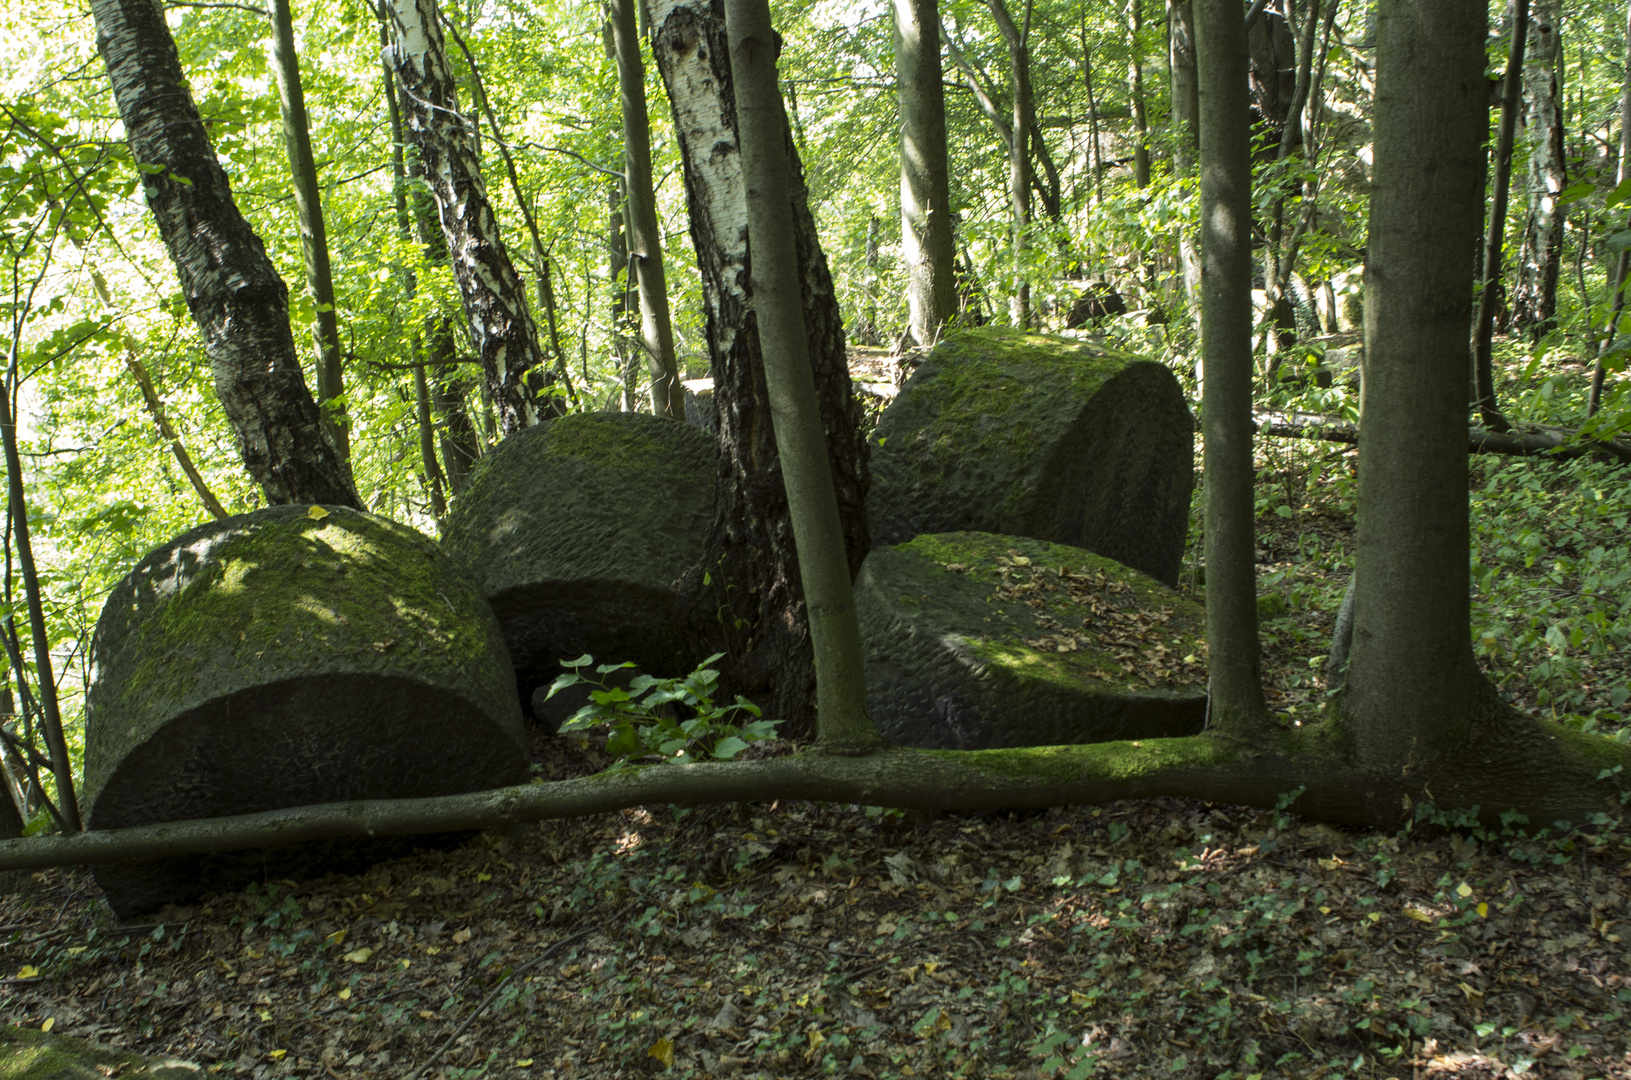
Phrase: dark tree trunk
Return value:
(644, 239)
(1235, 697)
(235, 295)
(925, 191)
(313, 234)
(1483, 367)
(495, 302)
(746, 596)
(1413, 685)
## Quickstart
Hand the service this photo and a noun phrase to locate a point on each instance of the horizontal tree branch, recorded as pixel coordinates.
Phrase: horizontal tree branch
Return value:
(1557, 776)
(1552, 442)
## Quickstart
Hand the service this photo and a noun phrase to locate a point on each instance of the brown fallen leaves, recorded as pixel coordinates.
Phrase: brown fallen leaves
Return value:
(1164, 938)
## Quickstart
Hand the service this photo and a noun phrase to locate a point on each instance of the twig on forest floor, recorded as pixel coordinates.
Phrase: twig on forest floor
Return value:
(493, 995)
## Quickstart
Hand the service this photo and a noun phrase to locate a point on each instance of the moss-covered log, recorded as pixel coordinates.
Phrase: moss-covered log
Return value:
(577, 531)
(27, 1054)
(1546, 772)
(291, 656)
(1006, 432)
(976, 641)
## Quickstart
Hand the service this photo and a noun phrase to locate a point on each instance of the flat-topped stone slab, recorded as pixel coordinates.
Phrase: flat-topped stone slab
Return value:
(577, 531)
(1039, 436)
(291, 656)
(978, 641)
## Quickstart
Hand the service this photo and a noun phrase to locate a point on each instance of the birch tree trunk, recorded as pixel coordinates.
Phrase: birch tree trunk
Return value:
(746, 596)
(495, 303)
(842, 722)
(925, 186)
(235, 295)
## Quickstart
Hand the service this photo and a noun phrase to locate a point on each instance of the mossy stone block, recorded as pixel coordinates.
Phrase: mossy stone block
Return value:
(1046, 437)
(30, 1054)
(981, 641)
(291, 656)
(577, 531)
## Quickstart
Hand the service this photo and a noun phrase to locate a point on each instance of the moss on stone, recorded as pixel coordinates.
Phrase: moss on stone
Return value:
(285, 593)
(1033, 435)
(28, 1054)
(1003, 645)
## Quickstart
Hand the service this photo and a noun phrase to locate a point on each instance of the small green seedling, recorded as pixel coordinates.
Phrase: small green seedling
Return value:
(667, 719)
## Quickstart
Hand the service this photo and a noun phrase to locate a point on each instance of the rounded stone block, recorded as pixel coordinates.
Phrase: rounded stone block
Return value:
(577, 531)
(1046, 437)
(979, 641)
(292, 656)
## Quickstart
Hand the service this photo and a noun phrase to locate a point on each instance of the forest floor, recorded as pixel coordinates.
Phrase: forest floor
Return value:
(1161, 938)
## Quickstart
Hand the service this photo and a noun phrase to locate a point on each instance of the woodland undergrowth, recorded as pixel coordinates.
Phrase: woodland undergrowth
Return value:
(1160, 938)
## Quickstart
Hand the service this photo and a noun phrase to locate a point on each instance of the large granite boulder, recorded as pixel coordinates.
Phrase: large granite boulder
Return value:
(1047, 437)
(291, 656)
(30, 1054)
(577, 531)
(976, 641)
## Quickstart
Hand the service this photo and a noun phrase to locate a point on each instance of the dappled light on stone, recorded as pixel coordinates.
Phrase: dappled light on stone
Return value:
(277, 659)
(577, 530)
(977, 641)
(1051, 438)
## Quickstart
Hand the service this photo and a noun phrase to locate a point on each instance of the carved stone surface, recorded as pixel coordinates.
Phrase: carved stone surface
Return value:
(977, 641)
(291, 656)
(1052, 438)
(577, 530)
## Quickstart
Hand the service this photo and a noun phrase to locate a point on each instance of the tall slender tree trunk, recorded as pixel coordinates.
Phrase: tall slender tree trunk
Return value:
(1413, 686)
(308, 200)
(1489, 297)
(645, 247)
(1534, 299)
(925, 186)
(1135, 91)
(1019, 155)
(235, 295)
(495, 304)
(625, 301)
(1185, 135)
(747, 594)
(842, 722)
(1619, 274)
(1236, 691)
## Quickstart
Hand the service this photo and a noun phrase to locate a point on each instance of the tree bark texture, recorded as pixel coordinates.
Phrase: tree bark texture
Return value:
(1534, 300)
(235, 295)
(495, 303)
(746, 596)
(1413, 686)
(925, 186)
(645, 246)
(308, 202)
(1236, 690)
(842, 723)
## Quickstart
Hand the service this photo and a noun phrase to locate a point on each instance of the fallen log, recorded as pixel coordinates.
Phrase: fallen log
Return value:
(1554, 442)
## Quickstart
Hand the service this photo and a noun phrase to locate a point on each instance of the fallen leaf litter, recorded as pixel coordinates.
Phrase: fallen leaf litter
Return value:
(791, 939)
